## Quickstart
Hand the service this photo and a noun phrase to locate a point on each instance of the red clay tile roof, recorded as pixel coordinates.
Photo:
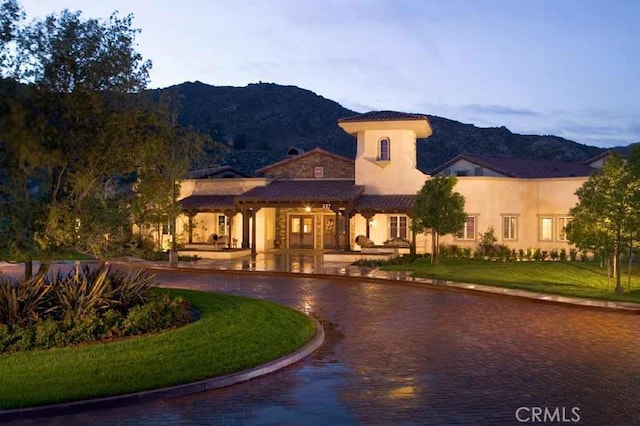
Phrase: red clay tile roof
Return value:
(383, 116)
(303, 155)
(385, 203)
(207, 202)
(302, 190)
(521, 167)
(622, 151)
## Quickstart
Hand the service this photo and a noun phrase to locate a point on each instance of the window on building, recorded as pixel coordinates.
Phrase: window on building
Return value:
(384, 149)
(479, 171)
(398, 227)
(562, 227)
(509, 227)
(318, 172)
(468, 232)
(223, 225)
(546, 228)
(166, 228)
(462, 173)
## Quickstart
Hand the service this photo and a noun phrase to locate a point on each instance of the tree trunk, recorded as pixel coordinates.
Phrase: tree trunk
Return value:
(616, 268)
(28, 269)
(44, 268)
(433, 245)
(629, 266)
(607, 260)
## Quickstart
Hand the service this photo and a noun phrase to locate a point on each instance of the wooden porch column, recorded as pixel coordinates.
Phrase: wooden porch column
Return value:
(190, 215)
(413, 236)
(246, 215)
(254, 250)
(336, 232)
(368, 215)
(347, 216)
(230, 213)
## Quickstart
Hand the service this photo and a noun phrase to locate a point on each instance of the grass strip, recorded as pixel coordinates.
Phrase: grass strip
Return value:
(575, 279)
(233, 333)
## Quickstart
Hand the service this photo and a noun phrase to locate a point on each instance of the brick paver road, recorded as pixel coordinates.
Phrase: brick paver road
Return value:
(402, 354)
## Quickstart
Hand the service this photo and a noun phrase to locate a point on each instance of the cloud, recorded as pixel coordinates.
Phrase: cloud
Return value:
(498, 110)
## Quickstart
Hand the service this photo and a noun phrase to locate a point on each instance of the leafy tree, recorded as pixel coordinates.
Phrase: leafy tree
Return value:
(487, 241)
(10, 16)
(605, 217)
(174, 150)
(72, 129)
(438, 210)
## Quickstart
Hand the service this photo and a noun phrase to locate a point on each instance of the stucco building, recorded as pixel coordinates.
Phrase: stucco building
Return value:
(320, 200)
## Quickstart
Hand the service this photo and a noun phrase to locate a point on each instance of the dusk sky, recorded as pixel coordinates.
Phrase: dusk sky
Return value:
(565, 67)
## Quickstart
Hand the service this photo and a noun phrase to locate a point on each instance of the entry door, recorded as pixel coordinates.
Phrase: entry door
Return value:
(301, 231)
(329, 232)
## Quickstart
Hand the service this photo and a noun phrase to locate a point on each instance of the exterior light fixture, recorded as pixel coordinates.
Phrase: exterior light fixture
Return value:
(307, 209)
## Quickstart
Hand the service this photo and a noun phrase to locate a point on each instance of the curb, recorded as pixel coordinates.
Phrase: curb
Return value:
(435, 284)
(169, 392)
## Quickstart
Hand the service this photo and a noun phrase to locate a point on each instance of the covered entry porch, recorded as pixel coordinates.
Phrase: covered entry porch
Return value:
(307, 213)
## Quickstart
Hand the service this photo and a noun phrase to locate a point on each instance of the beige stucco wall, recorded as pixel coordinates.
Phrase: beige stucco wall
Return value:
(397, 176)
(491, 198)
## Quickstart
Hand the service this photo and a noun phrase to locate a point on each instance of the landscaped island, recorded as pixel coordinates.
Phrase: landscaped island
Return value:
(231, 334)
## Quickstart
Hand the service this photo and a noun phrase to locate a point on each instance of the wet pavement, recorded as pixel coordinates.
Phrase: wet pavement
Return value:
(397, 353)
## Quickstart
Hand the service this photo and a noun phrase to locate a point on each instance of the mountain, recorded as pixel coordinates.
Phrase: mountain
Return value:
(262, 121)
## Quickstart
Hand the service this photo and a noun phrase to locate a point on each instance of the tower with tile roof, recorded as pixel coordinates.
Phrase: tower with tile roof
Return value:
(386, 155)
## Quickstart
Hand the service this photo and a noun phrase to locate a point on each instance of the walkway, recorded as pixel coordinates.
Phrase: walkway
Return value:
(407, 354)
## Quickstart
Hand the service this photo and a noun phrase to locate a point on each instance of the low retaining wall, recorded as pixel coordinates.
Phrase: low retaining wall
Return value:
(216, 254)
(357, 255)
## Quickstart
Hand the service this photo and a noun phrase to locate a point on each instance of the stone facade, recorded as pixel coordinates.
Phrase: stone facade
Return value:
(308, 164)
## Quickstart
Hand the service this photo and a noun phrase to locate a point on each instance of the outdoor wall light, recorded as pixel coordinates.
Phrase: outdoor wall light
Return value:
(307, 209)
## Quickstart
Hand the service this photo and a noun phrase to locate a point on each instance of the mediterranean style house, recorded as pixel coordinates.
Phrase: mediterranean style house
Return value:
(320, 200)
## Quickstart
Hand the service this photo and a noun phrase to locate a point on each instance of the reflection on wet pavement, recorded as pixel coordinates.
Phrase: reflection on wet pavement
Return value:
(400, 354)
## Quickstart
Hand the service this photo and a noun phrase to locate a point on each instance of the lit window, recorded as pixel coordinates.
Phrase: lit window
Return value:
(295, 225)
(546, 228)
(398, 227)
(318, 172)
(562, 228)
(223, 224)
(384, 153)
(468, 232)
(509, 227)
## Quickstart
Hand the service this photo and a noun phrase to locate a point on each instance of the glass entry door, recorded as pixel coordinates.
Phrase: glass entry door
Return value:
(301, 231)
(329, 232)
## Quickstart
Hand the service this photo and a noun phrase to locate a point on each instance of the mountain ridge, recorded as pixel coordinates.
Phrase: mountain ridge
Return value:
(261, 121)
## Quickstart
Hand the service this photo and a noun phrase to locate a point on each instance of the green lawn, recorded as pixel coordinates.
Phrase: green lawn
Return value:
(233, 333)
(579, 279)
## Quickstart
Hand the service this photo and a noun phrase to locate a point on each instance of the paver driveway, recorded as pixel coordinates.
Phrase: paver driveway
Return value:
(403, 354)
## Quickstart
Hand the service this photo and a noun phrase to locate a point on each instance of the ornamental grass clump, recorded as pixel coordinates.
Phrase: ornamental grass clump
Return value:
(86, 304)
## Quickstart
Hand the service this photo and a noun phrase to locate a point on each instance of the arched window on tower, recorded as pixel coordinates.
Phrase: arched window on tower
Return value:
(384, 149)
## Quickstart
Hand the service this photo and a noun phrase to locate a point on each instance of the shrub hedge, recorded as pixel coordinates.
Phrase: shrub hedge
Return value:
(87, 304)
